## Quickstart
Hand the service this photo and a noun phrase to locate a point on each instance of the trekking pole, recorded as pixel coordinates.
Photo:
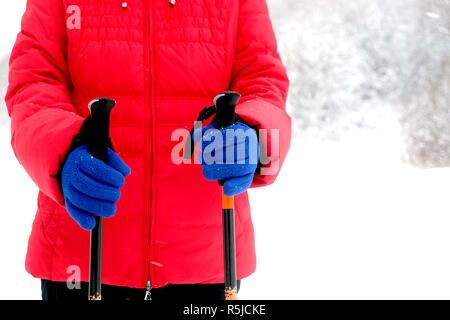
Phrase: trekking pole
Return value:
(225, 104)
(100, 109)
(224, 109)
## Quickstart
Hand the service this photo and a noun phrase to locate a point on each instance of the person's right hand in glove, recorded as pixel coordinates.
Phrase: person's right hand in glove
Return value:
(90, 186)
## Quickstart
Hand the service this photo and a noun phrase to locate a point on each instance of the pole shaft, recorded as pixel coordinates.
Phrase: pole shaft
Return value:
(95, 271)
(229, 247)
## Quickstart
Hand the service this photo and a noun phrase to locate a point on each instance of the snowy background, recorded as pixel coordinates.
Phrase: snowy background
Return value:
(361, 208)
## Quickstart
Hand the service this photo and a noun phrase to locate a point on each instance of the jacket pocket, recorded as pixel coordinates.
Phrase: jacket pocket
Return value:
(46, 210)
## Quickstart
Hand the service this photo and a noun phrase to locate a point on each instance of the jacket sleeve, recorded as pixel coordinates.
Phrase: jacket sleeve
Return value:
(259, 75)
(43, 118)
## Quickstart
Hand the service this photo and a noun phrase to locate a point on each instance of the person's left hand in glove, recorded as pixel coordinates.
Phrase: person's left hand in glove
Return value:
(229, 154)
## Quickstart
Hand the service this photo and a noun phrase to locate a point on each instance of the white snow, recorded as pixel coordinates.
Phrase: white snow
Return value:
(10, 17)
(346, 219)
(18, 203)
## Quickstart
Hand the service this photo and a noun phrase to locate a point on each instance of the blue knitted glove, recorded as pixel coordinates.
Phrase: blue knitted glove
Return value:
(240, 142)
(90, 186)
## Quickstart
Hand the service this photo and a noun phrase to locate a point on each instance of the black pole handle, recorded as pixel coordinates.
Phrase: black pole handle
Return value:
(98, 147)
(99, 135)
(224, 111)
(225, 105)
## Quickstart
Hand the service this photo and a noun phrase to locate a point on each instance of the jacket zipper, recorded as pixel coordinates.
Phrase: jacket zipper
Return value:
(148, 295)
(148, 292)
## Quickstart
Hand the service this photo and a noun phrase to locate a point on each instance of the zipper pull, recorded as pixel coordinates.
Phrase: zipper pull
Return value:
(148, 293)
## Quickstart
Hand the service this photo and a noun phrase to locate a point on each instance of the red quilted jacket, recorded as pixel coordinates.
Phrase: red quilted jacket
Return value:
(162, 64)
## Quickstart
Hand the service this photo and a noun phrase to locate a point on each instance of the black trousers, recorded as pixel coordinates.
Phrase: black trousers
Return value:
(52, 290)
